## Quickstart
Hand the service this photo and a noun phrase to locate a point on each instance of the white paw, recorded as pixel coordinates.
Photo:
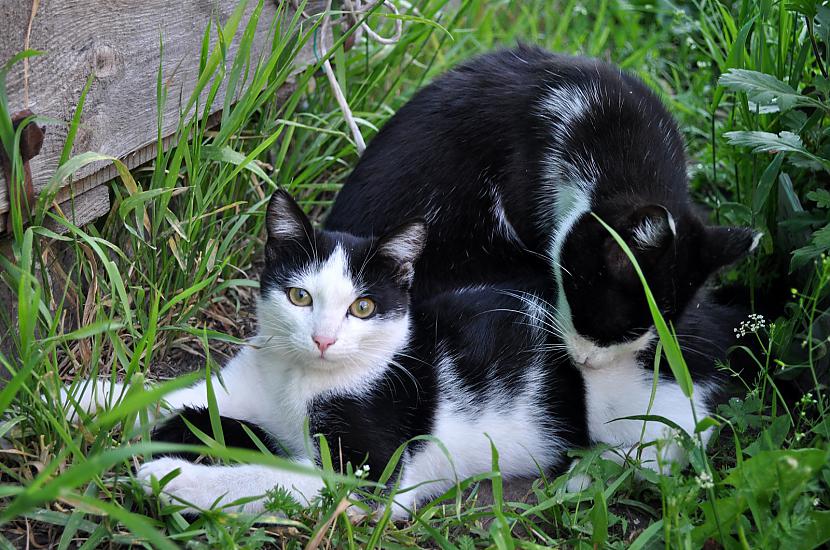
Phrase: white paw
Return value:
(578, 483)
(189, 487)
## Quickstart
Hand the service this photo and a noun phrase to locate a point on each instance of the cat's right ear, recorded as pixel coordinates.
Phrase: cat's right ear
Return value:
(285, 221)
(403, 245)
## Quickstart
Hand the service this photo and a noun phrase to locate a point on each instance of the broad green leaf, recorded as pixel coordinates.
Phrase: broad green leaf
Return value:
(768, 178)
(769, 93)
(599, 518)
(821, 197)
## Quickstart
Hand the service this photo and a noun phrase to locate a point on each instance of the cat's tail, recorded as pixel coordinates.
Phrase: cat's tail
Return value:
(92, 396)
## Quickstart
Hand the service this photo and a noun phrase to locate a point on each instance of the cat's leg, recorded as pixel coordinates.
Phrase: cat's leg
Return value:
(203, 486)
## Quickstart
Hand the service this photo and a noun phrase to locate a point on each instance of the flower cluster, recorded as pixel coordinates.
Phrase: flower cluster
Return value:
(807, 399)
(755, 323)
(362, 472)
(705, 481)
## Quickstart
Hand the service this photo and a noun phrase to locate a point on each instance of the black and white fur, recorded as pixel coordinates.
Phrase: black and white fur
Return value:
(507, 157)
(467, 366)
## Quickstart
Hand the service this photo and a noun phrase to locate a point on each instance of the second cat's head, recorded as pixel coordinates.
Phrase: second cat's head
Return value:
(616, 152)
(604, 298)
(333, 300)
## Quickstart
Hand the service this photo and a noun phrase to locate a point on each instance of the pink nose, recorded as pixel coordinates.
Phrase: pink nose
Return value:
(323, 342)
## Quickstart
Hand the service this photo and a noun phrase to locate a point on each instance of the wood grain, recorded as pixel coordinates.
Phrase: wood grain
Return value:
(117, 41)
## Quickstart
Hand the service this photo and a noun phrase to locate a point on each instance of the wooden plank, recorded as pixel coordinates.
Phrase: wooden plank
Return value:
(82, 208)
(118, 42)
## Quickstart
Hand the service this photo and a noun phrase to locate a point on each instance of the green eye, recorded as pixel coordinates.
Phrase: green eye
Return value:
(299, 296)
(362, 308)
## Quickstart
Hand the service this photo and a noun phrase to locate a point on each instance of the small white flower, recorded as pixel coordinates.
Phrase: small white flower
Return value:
(705, 481)
(752, 325)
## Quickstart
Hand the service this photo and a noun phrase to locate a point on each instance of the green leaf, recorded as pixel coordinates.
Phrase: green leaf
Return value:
(768, 178)
(821, 197)
(647, 534)
(819, 244)
(706, 423)
(768, 471)
(769, 93)
(767, 142)
(226, 154)
(599, 518)
(818, 533)
(141, 199)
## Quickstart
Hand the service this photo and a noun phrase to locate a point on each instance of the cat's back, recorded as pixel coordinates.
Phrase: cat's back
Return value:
(480, 152)
(461, 128)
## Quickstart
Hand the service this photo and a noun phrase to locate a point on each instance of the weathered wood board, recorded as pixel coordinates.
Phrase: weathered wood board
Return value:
(117, 41)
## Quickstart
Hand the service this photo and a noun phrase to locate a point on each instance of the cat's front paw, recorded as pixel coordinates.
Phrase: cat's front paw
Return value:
(188, 487)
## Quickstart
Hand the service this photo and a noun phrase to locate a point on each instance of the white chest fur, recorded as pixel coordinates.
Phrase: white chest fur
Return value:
(618, 385)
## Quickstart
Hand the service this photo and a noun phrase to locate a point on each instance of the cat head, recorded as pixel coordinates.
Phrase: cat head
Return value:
(606, 302)
(333, 300)
(616, 151)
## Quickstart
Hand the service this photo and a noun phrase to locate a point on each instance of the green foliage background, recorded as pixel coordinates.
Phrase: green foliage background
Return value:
(748, 82)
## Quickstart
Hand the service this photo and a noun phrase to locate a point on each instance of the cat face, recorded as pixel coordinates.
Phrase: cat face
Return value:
(333, 300)
(605, 298)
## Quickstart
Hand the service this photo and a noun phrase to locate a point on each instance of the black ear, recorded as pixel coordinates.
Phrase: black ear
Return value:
(403, 246)
(652, 227)
(285, 220)
(721, 246)
(649, 230)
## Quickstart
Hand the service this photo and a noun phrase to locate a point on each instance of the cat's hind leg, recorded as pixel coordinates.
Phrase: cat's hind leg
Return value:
(236, 433)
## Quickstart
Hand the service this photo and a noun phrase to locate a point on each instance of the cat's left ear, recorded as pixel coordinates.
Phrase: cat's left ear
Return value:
(403, 245)
(722, 246)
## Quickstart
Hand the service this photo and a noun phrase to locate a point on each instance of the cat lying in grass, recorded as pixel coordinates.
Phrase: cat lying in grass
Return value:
(340, 344)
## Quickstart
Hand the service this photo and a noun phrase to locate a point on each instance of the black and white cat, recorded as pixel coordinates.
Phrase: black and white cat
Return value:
(339, 344)
(507, 157)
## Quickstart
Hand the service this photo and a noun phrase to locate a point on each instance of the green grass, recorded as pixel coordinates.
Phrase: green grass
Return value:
(747, 81)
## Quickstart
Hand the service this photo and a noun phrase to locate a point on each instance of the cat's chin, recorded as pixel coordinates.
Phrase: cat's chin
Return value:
(587, 354)
(334, 364)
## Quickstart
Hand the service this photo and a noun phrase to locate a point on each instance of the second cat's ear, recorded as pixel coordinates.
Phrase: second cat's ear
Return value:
(721, 246)
(285, 221)
(652, 227)
(403, 245)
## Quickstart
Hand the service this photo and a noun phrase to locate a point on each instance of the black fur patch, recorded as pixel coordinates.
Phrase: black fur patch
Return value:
(175, 430)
